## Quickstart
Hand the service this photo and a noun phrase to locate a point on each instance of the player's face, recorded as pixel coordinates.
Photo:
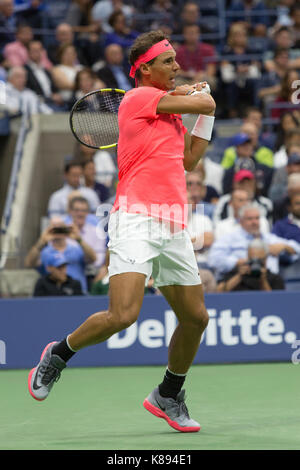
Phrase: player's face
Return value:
(163, 71)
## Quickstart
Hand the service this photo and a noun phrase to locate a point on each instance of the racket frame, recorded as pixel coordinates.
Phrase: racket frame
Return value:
(102, 147)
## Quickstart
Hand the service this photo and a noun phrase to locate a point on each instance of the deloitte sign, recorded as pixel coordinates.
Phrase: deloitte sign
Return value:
(223, 328)
(242, 328)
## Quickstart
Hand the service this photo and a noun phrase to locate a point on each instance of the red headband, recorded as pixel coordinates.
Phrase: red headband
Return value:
(153, 52)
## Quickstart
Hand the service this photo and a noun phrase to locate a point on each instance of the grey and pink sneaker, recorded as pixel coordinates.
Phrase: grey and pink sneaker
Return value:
(42, 377)
(173, 411)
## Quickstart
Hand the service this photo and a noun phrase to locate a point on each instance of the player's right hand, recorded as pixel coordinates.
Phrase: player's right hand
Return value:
(188, 89)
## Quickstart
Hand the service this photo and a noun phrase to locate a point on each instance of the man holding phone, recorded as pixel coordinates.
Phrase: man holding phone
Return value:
(66, 240)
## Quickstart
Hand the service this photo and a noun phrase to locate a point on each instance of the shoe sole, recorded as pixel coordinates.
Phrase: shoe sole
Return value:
(32, 371)
(160, 414)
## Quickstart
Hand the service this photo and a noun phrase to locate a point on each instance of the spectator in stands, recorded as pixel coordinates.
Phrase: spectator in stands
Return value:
(262, 153)
(121, 34)
(196, 58)
(59, 238)
(86, 81)
(56, 282)
(16, 52)
(200, 229)
(239, 198)
(65, 72)
(63, 35)
(163, 10)
(254, 115)
(289, 226)
(283, 12)
(114, 74)
(270, 84)
(210, 194)
(79, 17)
(230, 251)
(33, 14)
(285, 95)
(8, 22)
(287, 134)
(257, 24)
(279, 184)
(91, 234)
(281, 205)
(244, 179)
(239, 76)
(243, 154)
(20, 99)
(188, 15)
(197, 191)
(39, 79)
(58, 202)
(282, 39)
(106, 169)
(252, 275)
(89, 174)
(104, 8)
(295, 16)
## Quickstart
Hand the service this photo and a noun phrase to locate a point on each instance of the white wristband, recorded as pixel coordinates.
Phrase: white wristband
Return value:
(206, 90)
(204, 126)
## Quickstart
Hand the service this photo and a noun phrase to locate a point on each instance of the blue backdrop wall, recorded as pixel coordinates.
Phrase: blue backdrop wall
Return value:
(242, 328)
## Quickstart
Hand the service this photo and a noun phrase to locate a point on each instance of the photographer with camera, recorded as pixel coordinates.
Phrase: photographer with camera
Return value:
(65, 239)
(231, 250)
(252, 274)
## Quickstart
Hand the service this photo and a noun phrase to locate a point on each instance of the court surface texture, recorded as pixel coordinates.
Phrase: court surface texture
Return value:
(244, 406)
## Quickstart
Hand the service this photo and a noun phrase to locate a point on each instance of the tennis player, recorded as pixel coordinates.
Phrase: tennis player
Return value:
(147, 228)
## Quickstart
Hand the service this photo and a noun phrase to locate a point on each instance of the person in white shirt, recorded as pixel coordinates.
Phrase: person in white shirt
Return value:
(104, 8)
(94, 236)
(39, 78)
(239, 198)
(20, 99)
(58, 202)
(200, 229)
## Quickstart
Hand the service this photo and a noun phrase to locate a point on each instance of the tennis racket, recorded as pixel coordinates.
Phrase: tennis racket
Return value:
(94, 118)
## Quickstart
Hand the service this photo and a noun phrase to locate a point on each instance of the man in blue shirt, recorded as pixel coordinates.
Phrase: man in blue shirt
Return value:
(230, 251)
(289, 227)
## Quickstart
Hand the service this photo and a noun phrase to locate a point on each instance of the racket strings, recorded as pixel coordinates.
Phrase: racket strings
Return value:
(95, 118)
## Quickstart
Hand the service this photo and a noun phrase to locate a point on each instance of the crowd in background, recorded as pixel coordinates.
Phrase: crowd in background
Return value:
(248, 185)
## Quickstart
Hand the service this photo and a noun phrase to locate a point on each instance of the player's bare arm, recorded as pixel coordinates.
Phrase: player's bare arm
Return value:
(178, 102)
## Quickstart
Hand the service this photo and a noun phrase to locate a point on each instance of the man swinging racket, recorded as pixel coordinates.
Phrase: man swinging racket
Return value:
(147, 227)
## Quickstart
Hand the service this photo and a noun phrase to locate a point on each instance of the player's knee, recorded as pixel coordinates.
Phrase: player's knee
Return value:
(199, 319)
(124, 320)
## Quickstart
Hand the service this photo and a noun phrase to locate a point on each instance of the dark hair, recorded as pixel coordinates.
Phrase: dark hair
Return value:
(70, 165)
(62, 48)
(294, 8)
(281, 135)
(80, 199)
(251, 109)
(142, 44)
(280, 50)
(86, 162)
(86, 70)
(281, 29)
(114, 16)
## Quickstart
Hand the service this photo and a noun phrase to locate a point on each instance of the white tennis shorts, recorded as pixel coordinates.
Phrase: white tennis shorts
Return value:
(143, 244)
